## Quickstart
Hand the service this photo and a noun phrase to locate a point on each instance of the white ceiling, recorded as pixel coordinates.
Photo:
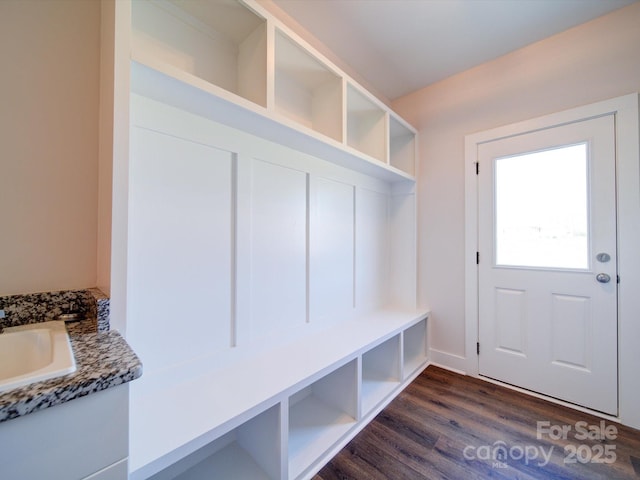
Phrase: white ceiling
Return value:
(400, 46)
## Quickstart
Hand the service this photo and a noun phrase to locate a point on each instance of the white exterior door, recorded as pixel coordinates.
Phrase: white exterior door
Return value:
(547, 262)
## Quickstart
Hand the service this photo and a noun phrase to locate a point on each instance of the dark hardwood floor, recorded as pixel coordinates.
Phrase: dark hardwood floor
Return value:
(450, 426)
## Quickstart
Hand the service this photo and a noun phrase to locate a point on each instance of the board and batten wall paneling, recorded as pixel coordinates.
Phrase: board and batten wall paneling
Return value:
(403, 240)
(372, 249)
(278, 249)
(180, 252)
(331, 250)
(238, 244)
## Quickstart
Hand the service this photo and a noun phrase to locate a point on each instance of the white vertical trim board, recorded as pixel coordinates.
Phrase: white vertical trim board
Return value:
(628, 153)
(244, 305)
(233, 340)
(120, 172)
(307, 248)
(627, 132)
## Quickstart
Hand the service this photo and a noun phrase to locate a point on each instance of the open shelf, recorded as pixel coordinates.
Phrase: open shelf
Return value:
(321, 414)
(306, 90)
(415, 347)
(170, 86)
(402, 146)
(380, 373)
(322, 407)
(366, 131)
(221, 42)
(249, 452)
(279, 88)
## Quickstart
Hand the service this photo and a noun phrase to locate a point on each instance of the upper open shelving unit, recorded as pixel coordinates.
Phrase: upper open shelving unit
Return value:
(268, 79)
(222, 42)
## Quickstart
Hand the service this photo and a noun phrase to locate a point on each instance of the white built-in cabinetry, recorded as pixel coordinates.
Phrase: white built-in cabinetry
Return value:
(238, 53)
(309, 410)
(268, 207)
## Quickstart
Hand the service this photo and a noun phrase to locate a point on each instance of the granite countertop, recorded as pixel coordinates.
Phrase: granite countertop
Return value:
(103, 360)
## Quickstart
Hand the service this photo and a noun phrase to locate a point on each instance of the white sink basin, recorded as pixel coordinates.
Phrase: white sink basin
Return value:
(31, 353)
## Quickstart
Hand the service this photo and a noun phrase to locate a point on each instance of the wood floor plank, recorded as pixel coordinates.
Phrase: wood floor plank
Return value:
(450, 426)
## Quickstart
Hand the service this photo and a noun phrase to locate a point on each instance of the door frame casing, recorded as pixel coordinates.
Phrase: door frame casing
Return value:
(627, 133)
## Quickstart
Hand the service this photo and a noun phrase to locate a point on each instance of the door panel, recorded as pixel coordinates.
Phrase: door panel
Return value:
(571, 335)
(511, 326)
(547, 209)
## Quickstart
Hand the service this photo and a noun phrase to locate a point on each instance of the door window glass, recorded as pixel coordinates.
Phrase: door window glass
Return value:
(541, 209)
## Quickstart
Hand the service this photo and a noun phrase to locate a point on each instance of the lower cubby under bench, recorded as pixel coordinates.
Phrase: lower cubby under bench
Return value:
(280, 414)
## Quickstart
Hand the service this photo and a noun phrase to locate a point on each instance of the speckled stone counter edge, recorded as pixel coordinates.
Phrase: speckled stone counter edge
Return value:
(102, 305)
(29, 308)
(103, 360)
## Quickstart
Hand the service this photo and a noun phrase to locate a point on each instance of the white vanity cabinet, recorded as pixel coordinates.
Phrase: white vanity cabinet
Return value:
(264, 242)
(86, 438)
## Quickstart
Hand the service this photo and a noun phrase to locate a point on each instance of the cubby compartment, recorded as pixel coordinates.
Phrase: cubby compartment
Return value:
(320, 415)
(222, 42)
(415, 347)
(402, 146)
(366, 130)
(249, 452)
(307, 91)
(380, 373)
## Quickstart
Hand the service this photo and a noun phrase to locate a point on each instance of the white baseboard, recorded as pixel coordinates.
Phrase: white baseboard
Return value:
(449, 361)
